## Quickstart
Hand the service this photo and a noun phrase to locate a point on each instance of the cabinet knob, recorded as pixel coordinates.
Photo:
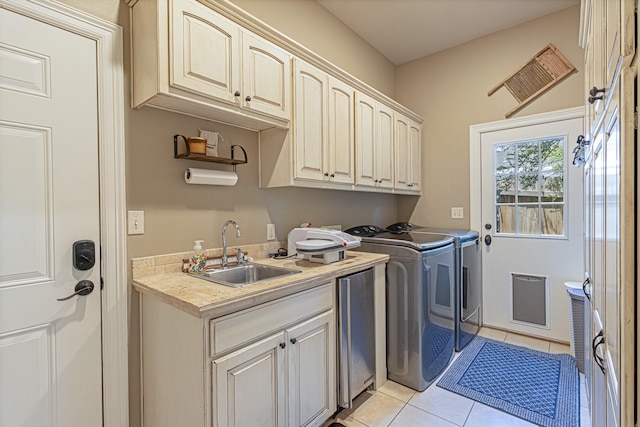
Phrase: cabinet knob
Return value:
(598, 340)
(293, 340)
(283, 344)
(593, 99)
(586, 283)
(333, 175)
(326, 174)
(248, 98)
(237, 93)
(409, 185)
(594, 91)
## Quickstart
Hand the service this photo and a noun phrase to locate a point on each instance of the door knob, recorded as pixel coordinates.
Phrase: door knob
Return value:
(487, 240)
(84, 287)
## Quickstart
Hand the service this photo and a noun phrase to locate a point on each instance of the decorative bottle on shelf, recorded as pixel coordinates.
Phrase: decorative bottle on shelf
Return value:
(198, 259)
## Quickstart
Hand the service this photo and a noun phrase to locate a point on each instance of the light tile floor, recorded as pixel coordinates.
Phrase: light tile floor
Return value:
(394, 405)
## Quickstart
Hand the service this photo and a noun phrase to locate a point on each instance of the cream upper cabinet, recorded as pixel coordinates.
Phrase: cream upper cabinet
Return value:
(323, 122)
(374, 143)
(408, 164)
(204, 52)
(195, 61)
(385, 147)
(415, 137)
(266, 78)
(310, 122)
(341, 151)
(213, 60)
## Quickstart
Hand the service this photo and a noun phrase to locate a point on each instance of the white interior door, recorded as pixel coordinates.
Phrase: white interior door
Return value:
(50, 350)
(532, 225)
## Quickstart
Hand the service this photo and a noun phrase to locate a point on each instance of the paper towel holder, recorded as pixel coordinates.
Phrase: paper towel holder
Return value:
(188, 155)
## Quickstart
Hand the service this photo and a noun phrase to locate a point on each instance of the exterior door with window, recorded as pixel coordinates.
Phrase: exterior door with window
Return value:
(532, 226)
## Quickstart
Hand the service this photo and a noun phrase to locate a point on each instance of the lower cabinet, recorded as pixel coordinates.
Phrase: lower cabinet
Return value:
(254, 377)
(273, 364)
(250, 385)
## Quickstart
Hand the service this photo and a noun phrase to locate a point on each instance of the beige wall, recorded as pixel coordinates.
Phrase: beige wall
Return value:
(311, 25)
(449, 89)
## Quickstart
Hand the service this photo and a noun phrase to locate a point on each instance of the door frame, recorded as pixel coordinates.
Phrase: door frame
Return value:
(475, 151)
(111, 152)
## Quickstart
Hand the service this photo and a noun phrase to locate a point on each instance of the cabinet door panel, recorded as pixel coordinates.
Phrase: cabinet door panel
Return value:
(599, 388)
(312, 370)
(612, 247)
(384, 147)
(204, 51)
(415, 138)
(341, 133)
(612, 38)
(310, 122)
(403, 153)
(407, 154)
(250, 385)
(365, 140)
(597, 281)
(267, 81)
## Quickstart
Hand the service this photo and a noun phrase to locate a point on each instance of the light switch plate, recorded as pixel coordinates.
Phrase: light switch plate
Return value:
(135, 222)
(271, 232)
(457, 213)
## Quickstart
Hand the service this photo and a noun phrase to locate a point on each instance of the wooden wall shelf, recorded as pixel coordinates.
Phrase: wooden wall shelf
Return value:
(188, 155)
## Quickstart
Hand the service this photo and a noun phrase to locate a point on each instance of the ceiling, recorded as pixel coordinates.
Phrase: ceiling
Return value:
(404, 30)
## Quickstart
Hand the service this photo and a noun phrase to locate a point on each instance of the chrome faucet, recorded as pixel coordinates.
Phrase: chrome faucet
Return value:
(225, 262)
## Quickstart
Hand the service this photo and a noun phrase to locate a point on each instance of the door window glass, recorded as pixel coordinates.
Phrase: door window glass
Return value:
(529, 187)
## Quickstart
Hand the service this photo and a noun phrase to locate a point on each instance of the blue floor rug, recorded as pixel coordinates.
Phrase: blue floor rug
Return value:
(538, 387)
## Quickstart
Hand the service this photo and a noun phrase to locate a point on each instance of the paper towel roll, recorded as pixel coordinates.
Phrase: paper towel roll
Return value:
(209, 177)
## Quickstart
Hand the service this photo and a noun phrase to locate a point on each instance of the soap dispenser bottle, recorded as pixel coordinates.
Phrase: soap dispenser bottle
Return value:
(198, 259)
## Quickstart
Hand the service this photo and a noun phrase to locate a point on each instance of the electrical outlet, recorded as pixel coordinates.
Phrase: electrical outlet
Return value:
(457, 213)
(135, 221)
(271, 232)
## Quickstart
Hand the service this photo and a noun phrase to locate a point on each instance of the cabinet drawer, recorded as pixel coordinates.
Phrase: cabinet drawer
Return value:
(235, 329)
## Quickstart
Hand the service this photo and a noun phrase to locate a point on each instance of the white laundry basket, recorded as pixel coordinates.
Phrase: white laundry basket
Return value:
(576, 299)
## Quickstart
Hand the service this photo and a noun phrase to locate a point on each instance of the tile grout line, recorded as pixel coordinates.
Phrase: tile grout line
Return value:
(396, 415)
(469, 414)
(438, 416)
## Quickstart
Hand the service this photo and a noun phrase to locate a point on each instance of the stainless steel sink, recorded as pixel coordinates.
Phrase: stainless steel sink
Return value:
(245, 275)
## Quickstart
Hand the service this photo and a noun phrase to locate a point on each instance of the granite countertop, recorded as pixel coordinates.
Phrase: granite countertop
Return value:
(205, 299)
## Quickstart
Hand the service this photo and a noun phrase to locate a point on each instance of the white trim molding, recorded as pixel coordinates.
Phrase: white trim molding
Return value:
(109, 45)
(475, 136)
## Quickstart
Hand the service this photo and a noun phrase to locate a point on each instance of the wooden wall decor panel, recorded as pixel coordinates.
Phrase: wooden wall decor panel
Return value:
(544, 70)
